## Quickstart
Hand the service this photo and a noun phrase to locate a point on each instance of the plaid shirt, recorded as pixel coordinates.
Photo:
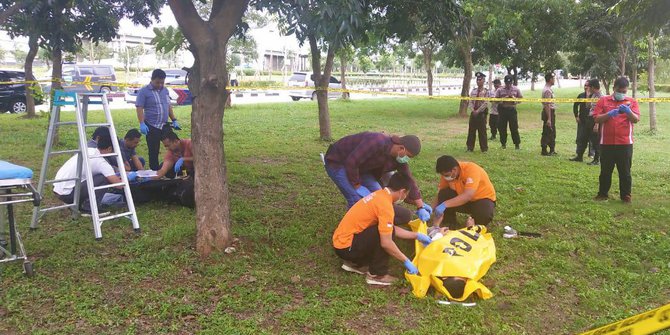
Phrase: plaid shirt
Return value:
(368, 153)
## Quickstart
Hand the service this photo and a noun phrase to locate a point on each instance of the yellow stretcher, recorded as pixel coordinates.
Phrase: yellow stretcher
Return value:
(468, 253)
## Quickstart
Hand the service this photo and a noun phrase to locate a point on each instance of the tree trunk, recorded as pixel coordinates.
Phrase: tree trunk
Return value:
(467, 77)
(428, 65)
(56, 77)
(622, 54)
(558, 79)
(28, 68)
(651, 69)
(533, 79)
(343, 71)
(208, 79)
(491, 77)
(634, 75)
(606, 83)
(321, 86)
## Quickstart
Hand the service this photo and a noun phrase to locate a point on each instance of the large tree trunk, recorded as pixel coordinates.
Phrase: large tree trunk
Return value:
(321, 81)
(467, 77)
(651, 69)
(208, 78)
(343, 71)
(28, 67)
(428, 65)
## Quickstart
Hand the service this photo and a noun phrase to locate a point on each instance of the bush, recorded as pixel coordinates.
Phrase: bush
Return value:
(248, 72)
(366, 81)
(258, 83)
(659, 88)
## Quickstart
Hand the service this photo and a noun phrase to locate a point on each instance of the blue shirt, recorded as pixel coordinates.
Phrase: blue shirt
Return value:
(156, 104)
(126, 154)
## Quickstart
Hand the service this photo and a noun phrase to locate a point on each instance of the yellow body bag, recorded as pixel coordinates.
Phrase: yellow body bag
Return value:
(467, 252)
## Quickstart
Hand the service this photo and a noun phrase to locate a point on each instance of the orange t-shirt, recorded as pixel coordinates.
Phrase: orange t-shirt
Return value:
(186, 152)
(374, 209)
(472, 176)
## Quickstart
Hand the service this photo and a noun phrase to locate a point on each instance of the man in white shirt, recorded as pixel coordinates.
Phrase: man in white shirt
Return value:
(103, 173)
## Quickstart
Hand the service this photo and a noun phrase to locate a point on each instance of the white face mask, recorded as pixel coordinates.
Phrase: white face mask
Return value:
(448, 178)
(400, 201)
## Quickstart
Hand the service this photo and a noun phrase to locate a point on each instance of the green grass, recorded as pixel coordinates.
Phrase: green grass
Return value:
(597, 262)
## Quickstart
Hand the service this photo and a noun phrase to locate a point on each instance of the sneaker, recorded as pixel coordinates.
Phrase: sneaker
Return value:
(626, 199)
(351, 267)
(576, 159)
(601, 197)
(595, 162)
(553, 153)
(469, 150)
(384, 280)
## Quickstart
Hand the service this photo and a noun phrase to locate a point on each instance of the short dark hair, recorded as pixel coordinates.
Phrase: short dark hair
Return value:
(548, 76)
(399, 181)
(594, 83)
(497, 82)
(158, 73)
(105, 141)
(445, 164)
(100, 131)
(455, 286)
(169, 135)
(133, 134)
(509, 78)
(621, 82)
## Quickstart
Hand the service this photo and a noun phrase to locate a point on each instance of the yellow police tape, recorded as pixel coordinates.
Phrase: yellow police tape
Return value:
(286, 88)
(641, 324)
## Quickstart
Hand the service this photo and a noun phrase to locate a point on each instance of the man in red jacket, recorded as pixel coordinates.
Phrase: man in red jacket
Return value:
(616, 115)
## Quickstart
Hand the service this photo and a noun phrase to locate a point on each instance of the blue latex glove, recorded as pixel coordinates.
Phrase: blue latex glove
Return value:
(428, 208)
(132, 176)
(175, 125)
(411, 268)
(439, 210)
(363, 191)
(625, 109)
(178, 165)
(423, 238)
(613, 113)
(423, 215)
(144, 129)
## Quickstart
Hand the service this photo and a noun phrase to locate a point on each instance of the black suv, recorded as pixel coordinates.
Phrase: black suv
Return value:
(13, 96)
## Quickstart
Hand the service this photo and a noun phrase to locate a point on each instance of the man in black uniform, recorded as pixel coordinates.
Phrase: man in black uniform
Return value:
(581, 111)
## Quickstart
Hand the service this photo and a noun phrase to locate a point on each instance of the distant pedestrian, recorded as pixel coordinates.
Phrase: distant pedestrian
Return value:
(581, 110)
(478, 110)
(594, 136)
(548, 140)
(493, 117)
(507, 112)
(616, 115)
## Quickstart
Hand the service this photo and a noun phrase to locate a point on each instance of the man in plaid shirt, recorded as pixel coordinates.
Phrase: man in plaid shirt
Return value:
(356, 164)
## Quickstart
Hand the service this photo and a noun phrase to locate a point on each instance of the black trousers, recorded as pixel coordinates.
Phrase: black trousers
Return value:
(84, 203)
(594, 138)
(548, 133)
(481, 210)
(586, 135)
(620, 156)
(366, 247)
(476, 126)
(154, 144)
(493, 124)
(508, 115)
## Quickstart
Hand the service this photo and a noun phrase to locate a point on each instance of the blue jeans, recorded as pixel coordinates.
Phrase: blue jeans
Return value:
(339, 177)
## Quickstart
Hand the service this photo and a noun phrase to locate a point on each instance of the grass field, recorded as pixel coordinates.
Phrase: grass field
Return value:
(596, 263)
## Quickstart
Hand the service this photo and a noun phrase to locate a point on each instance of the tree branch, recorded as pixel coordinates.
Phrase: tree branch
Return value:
(190, 22)
(13, 9)
(316, 57)
(225, 10)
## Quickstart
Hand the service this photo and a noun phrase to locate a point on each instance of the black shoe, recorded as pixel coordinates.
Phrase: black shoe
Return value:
(492, 138)
(595, 162)
(469, 150)
(576, 159)
(553, 153)
(517, 147)
(544, 153)
(504, 146)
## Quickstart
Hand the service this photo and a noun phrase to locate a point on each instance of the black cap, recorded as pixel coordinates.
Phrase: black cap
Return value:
(480, 75)
(509, 78)
(411, 143)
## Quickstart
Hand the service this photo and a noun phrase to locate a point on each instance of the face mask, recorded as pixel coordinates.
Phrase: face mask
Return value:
(619, 96)
(399, 201)
(403, 159)
(448, 178)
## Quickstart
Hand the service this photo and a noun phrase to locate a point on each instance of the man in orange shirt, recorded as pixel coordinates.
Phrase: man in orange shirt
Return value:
(464, 187)
(364, 237)
(179, 154)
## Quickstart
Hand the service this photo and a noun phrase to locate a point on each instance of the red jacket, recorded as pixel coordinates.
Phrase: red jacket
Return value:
(617, 130)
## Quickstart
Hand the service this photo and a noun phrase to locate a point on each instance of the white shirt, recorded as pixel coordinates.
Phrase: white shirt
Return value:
(69, 170)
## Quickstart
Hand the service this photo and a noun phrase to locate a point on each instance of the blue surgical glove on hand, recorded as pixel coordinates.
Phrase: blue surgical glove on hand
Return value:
(423, 238)
(175, 125)
(613, 113)
(411, 268)
(132, 176)
(362, 191)
(625, 109)
(423, 214)
(439, 210)
(178, 165)
(144, 129)
(428, 208)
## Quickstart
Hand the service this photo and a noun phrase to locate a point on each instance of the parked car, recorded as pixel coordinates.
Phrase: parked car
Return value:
(172, 77)
(302, 79)
(13, 96)
(101, 78)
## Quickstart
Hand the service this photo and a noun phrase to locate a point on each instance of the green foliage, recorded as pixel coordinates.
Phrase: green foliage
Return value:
(169, 39)
(19, 55)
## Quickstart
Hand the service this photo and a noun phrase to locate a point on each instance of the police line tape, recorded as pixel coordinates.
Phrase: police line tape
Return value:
(641, 324)
(88, 84)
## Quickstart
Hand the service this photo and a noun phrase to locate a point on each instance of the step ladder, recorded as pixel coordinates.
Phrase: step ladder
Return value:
(81, 101)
